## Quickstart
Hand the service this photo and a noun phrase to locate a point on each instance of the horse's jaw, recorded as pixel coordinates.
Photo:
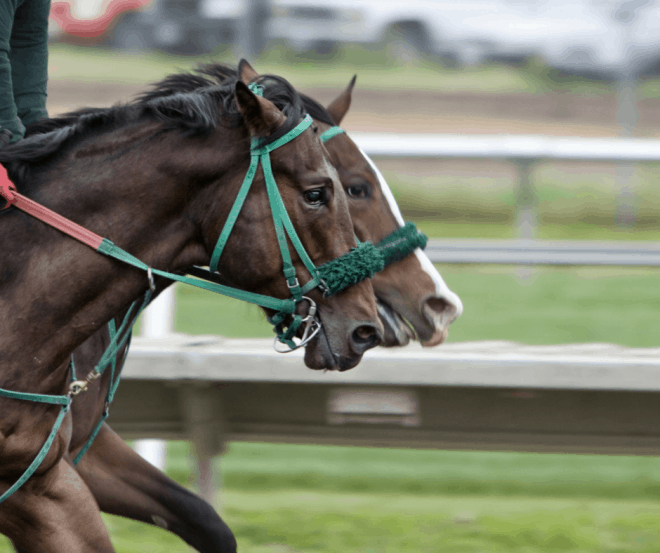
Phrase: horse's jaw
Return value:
(429, 324)
(397, 332)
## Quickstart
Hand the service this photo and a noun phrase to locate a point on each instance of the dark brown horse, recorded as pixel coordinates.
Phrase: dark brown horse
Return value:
(158, 177)
(410, 290)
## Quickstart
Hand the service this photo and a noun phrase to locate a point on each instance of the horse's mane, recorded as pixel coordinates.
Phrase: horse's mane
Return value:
(192, 103)
(214, 74)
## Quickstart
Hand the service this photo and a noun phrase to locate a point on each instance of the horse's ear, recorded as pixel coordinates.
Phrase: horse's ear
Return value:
(260, 115)
(339, 106)
(246, 72)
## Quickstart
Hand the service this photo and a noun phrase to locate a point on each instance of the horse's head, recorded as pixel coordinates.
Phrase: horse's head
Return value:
(410, 290)
(317, 206)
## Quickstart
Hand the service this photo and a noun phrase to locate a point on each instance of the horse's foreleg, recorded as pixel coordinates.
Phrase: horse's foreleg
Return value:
(55, 513)
(125, 484)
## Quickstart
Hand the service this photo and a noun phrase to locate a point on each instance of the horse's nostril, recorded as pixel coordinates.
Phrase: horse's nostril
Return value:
(439, 314)
(364, 332)
(366, 336)
(438, 305)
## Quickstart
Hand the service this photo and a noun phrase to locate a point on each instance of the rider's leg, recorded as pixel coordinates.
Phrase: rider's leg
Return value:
(29, 59)
(9, 118)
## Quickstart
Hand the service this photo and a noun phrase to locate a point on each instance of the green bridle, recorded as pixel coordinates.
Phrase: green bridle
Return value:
(360, 263)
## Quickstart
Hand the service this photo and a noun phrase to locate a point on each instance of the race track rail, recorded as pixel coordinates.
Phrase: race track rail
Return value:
(511, 146)
(587, 398)
(544, 252)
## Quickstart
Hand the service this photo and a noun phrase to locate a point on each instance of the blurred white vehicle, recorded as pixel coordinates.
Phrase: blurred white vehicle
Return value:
(583, 36)
(421, 26)
(610, 37)
(607, 37)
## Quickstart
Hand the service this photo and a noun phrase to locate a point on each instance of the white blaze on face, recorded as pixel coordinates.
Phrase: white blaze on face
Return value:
(441, 289)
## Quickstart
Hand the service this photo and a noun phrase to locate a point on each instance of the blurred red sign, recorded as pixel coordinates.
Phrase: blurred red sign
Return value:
(62, 14)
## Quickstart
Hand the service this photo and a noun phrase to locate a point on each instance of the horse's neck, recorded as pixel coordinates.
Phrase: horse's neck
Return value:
(54, 291)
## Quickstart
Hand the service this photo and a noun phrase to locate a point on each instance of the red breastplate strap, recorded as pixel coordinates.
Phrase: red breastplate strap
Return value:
(8, 192)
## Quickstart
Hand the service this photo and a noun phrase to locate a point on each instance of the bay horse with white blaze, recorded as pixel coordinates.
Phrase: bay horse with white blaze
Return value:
(159, 178)
(409, 292)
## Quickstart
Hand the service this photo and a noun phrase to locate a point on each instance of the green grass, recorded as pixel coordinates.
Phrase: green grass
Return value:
(282, 498)
(250, 467)
(566, 194)
(311, 522)
(331, 522)
(556, 305)
(359, 499)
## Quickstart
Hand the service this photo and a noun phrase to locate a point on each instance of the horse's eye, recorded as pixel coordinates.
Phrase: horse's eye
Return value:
(358, 191)
(316, 196)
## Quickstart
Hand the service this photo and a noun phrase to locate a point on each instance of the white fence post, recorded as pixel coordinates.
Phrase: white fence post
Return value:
(157, 322)
(158, 318)
(154, 451)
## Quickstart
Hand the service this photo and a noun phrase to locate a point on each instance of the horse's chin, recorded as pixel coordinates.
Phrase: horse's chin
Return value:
(439, 321)
(397, 332)
(438, 337)
(430, 331)
(318, 356)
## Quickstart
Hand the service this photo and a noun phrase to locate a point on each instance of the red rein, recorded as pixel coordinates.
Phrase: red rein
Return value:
(9, 193)
(7, 188)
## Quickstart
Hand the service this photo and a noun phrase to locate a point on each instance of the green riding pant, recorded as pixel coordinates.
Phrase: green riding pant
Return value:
(23, 63)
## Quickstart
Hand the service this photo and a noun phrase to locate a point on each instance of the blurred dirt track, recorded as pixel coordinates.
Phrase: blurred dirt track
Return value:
(421, 111)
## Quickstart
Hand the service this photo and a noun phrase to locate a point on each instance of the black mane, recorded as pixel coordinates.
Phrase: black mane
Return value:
(214, 74)
(192, 103)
